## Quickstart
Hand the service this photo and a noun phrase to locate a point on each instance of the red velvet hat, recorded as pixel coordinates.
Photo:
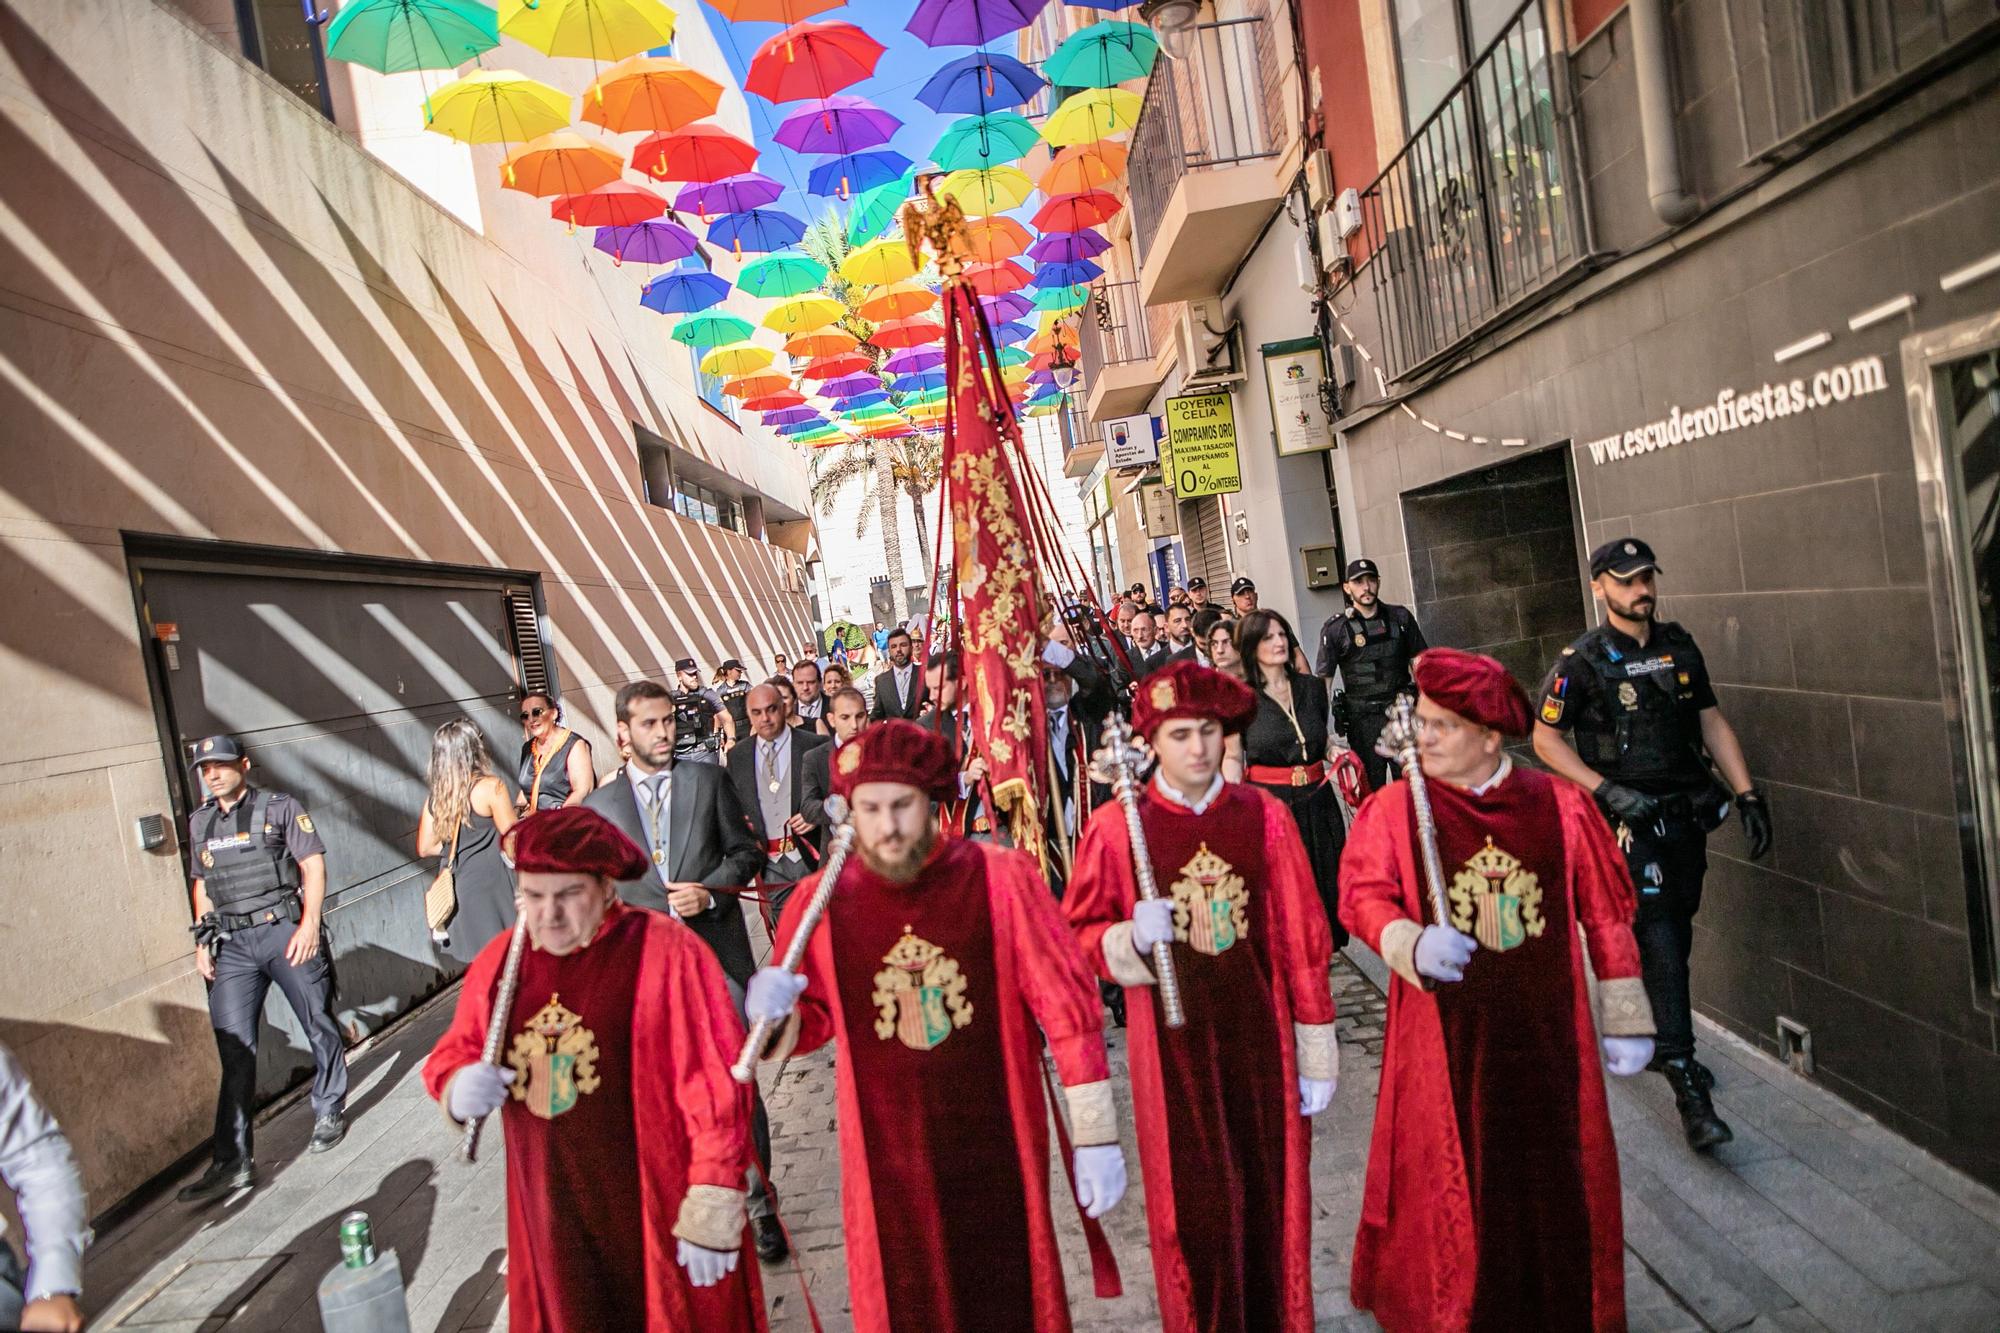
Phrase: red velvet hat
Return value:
(896, 751)
(1189, 689)
(1475, 687)
(573, 840)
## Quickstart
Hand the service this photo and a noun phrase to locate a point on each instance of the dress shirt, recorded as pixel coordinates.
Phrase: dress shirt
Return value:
(902, 676)
(654, 819)
(1499, 776)
(1199, 807)
(37, 1164)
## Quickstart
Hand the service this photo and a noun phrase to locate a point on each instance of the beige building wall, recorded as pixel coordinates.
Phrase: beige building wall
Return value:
(221, 319)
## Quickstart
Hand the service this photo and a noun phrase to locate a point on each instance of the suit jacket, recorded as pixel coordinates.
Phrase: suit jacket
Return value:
(816, 784)
(708, 841)
(1145, 664)
(742, 764)
(885, 706)
(1186, 654)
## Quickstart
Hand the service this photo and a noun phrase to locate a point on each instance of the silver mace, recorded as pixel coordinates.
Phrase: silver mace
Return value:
(745, 1067)
(1399, 742)
(496, 1027)
(1119, 760)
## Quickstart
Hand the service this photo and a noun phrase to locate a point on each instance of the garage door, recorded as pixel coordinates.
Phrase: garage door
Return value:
(335, 684)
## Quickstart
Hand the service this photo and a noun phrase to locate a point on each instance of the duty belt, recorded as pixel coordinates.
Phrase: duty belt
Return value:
(1278, 775)
(287, 911)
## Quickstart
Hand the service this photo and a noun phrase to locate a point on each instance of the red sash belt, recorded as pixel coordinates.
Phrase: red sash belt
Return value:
(780, 847)
(1291, 775)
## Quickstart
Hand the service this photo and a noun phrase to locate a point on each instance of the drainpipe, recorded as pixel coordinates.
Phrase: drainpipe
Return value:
(1652, 69)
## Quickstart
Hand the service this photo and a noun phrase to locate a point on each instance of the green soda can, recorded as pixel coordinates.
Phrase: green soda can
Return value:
(357, 1240)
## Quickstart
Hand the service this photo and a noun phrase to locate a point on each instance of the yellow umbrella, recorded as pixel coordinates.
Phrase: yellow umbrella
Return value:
(1093, 114)
(898, 300)
(827, 342)
(496, 106)
(879, 263)
(803, 314)
(650, 93)
(588, 29)
(560, 162)
(737, 359)
(987, 190)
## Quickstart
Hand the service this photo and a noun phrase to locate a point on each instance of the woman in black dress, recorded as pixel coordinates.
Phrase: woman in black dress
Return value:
(468, 797)
(1283, 750)
(555, 762)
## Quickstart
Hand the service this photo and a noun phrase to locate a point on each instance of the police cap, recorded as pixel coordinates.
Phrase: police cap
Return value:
(1361, 569)
(730, 664)
(1242, 585)
(684, 664)
(1197, 582)
(215, 750)
(1622, 558)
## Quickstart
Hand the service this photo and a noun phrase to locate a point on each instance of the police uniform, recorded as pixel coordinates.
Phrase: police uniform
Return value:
(247, 860)
(1373, 655)
(735, 696)
(696, 738)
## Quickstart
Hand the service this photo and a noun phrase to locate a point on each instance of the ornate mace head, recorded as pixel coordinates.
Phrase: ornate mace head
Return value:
(939, 224)
(1123, 753)
(1399, 736)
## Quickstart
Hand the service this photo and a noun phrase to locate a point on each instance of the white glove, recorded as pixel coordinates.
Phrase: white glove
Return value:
(1442, 953)
(1100, 1178)
(1626, 1056)
(705, 1268)
(1315, 1094)
(1152, 923)
(477, 1091)
(772, 994)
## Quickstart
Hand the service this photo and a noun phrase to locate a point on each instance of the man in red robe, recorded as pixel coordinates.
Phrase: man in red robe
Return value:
(626, 1137)
(1492, 1194)
(1228, 1201)
(935, 963)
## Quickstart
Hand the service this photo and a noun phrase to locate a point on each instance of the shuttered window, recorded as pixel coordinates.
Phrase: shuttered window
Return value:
(528, 654)
(1202, 538)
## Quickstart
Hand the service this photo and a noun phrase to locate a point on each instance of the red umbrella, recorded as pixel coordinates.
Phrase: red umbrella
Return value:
(993, 279)
(694, 153)
(775, 402)
(812, 60)
(619, 204)
(913, 332)
(833, 367)
(1076, 212)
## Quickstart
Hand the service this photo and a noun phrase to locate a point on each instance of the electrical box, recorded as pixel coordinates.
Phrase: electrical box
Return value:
(150, 831)
(1332, 246)
(1322, 566)
(1347, 212)
(1319, 178)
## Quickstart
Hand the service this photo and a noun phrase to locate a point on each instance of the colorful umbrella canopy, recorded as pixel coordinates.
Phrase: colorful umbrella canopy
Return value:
(1061, 298)
(1093, 114)
(970, 22)
(760, 384)
(898, 300)
(1067, 275)
(758, 230)
(824, 342)
(646, 242)
(649, 93)
(786, 274)
(731, 194)
(979, 83)
(987, 190)
(912, 332)
(1008, 332)
(859, 404)
(985, 141)
(915, 360)
(694, 153)
(846, 386)
(395, 36)
(850, 172)
(737, 359)
(1101, 55)
(811, 60)
(917, 383)
(833, 367)
(879, 263)
(993, 239)
(1001, 308)
(1067, 247)
(803, 314)
(1083, 167)
(774, 11)
(619, 204)
(560, 162)
(683, 290)
(1077, 212)
(837, 125)
(495, 106)
(711, 330)
(783, 400)
(874, 210)
(588, 29)
(788, 419)
(993, 279)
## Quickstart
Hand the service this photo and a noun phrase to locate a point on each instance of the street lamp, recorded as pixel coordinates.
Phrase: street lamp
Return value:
(1174, 21)
(1065, 371)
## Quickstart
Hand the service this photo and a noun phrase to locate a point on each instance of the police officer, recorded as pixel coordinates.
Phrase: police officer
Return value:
(1634, 696)
(697, 731)
(733, 688)
(259, 887)
(1371, 644)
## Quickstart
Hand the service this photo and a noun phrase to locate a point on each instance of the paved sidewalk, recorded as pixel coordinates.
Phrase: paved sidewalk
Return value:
(1816, 1217)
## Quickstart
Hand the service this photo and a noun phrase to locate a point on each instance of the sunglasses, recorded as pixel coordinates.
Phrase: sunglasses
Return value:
(529, 714)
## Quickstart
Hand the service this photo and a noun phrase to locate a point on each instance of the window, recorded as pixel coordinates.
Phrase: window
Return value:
(710, 387)
(1437, 41)
(664, 486)
(282, 37)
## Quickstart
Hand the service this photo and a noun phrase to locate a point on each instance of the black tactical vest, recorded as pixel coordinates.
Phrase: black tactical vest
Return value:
(1638, 719)
(242, 858)
(694, 718)
(736, 698)
(1376, 670)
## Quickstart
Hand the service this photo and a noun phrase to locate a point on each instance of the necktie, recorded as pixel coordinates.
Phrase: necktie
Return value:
(770, 749)
(653, 794)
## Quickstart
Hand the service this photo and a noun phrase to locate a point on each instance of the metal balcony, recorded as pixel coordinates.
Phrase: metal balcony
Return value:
(1117, 352)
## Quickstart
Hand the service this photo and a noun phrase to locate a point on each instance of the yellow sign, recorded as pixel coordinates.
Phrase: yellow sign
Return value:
(1199, 457)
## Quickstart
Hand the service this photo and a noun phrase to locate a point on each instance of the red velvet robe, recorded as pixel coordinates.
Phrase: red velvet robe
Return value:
(944, 1153)
(1492, 1140)
(1221, 1140)
(601, 1150)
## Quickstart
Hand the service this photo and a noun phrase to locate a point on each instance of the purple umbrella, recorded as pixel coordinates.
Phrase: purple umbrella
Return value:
(913, 359)
(731, 194)
(837, 125)
(1067, 247)
(848, 385)
(971, 22)
(979, 83)
(646, 242)
(790, 416)
(1006, 306)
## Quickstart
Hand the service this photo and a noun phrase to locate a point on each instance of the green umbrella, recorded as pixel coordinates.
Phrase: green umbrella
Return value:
(985, 141)
(1102, 55)
(394, 36)
(922, 396)
(875, 209)
(787, 273)
(1061, 298)
(711, 330)
(1013, 356)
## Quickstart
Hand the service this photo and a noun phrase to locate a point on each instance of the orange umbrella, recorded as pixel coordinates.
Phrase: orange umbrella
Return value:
(898, 300)
(756, 383)
(907, 333)
(649, 93)
(825, 342)
(996, 238)
(1059, 336)
(1083, 167)
(619, 204)
(560, 162)
(995, 279)
(833, 367)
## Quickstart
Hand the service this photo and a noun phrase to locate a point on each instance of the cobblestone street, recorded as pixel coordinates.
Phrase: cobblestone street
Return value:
(1816, 1217)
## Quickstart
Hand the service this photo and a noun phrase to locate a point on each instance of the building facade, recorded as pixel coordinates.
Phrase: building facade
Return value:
(316, 435)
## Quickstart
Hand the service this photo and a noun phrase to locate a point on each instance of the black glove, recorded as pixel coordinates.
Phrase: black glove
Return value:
(1756, 817)
(1343, 714)
(1634, 807)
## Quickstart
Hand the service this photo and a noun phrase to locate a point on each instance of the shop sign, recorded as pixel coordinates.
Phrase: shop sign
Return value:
(1158, 513)
(1732, 410)
(1200, 457)
(1293, 373)
(1129, 442)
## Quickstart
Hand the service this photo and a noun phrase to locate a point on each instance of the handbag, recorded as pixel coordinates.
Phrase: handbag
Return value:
(441, 898)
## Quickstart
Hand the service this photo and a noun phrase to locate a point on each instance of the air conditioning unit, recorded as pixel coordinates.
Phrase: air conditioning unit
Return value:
(1207, 342)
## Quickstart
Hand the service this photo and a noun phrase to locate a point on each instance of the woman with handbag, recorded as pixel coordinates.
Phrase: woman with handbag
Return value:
(467, 811)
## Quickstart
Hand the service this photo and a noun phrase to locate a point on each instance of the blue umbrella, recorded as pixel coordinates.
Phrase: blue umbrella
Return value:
(981, 82)
(859, 400)
(757, 231)
(799, 427)
(851, 173)
(1012, 333)
(683, 291)
(917, 382)
(1067, 275)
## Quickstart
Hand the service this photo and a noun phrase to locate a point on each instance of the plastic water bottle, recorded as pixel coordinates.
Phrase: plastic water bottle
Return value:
(363, 1293)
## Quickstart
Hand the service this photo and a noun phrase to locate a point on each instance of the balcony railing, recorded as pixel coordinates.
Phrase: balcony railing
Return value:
(1114, 329)
(1210, 108)
(1480, 210)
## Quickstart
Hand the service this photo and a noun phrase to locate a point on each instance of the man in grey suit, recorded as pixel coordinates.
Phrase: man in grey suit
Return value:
(769, 777)
(687, 819)
(846, 714)
(899, 688)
